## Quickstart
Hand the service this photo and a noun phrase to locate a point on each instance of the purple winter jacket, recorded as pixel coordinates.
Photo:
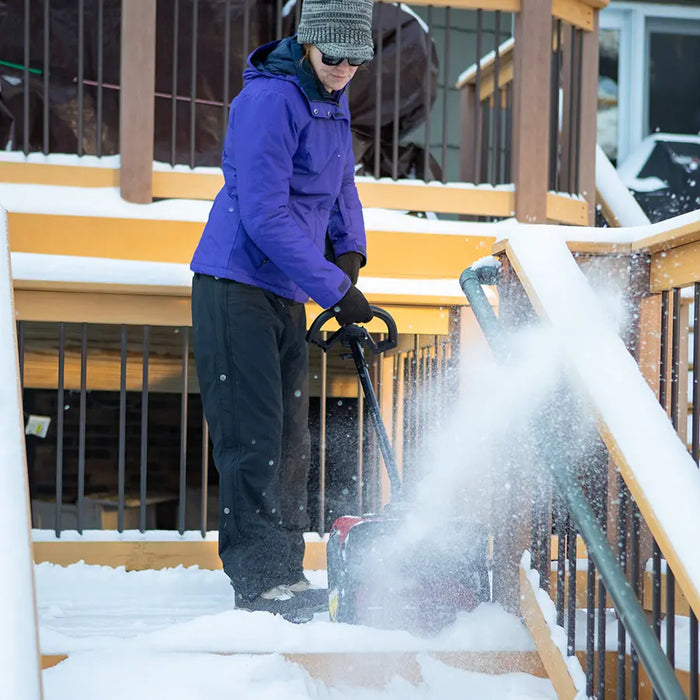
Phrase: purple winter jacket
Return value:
(289, 179)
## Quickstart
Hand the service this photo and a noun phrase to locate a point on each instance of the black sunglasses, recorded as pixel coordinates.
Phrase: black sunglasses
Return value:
(333, 61)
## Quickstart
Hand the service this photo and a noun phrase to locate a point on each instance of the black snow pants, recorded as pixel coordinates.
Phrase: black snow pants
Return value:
(252, 365)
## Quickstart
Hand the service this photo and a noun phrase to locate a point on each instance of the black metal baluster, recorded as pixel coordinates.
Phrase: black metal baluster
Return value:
(622, 558)
(509, 131)
(397, 101)
(360, 451)
(205, 477)
(174, 85)
(478, 143)
(100, 77)
(20, 351)
(121, 460)
(577, 150)
(322, 442)
(554, 109)
(635, 576)
(80, 150)
(143, 472)
(183, 427)
(25, 83)
(60, 408)
(227, 65)
(82, 419)
(445, 89)
(278, 15)
(46, 76)
(193, 81)
(378, 99)
(560, 527)
(602, 593)
(246, 32)
(428, 90)
(496, 170)
(571, 538)
(590, 627)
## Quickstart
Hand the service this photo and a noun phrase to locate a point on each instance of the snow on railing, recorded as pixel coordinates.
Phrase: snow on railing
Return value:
(19, 661)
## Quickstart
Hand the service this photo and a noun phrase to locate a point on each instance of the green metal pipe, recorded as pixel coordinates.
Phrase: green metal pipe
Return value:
(626, 603)
(19, 66)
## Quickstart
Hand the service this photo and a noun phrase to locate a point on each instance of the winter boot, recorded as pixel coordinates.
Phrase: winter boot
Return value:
(281, 600)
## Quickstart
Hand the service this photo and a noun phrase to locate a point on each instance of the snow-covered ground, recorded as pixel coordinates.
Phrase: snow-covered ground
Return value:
(174, 634)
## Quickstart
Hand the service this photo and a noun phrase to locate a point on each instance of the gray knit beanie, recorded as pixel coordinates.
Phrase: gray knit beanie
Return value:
(339, 28)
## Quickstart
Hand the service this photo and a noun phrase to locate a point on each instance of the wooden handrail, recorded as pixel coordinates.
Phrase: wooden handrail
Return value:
(569, 309)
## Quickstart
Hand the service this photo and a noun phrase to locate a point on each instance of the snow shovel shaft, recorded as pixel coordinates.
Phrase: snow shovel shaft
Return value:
(356, 338)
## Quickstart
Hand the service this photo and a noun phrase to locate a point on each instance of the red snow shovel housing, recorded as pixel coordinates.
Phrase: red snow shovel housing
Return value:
(381, 571)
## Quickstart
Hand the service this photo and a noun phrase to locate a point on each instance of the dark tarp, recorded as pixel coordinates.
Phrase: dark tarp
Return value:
(417, 59)
(677, 164)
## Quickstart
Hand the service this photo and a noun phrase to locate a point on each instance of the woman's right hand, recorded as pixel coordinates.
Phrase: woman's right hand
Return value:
(352, 308)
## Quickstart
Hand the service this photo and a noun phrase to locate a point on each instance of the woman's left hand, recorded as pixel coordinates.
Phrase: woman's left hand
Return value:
(350, 264)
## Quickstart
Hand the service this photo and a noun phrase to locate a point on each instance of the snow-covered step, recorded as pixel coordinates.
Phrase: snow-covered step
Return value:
(103, 622)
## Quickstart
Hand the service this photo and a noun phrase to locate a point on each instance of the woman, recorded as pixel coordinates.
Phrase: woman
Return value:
(289, 203)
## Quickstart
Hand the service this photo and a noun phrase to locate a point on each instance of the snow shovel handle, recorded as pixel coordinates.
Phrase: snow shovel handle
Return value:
(313, 335)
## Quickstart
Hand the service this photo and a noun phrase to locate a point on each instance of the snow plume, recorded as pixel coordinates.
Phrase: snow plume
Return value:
(462, 461)
(483, 458)
(609, 278)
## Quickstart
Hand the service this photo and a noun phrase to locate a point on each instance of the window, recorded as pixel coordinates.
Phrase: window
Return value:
(673, 80)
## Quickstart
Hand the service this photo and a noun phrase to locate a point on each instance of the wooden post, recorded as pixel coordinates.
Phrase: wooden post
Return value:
(531, 104)
(589, 113)
(137, 99)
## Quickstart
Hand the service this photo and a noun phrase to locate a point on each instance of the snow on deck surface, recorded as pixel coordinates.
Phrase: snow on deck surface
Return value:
(609, 376)
(149, 631)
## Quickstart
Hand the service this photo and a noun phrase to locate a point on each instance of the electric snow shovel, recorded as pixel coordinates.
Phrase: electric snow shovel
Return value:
(382, 573)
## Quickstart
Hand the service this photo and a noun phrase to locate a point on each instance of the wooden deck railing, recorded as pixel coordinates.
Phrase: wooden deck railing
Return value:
(530, 156)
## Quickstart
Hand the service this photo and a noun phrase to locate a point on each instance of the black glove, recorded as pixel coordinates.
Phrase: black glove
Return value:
(350, 264)
(353, 308)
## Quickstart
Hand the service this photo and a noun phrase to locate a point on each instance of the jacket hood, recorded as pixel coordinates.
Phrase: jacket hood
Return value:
(283, 59)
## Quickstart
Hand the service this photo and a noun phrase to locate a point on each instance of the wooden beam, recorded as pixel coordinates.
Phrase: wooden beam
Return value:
(587, 137)
(76, 307)
(686, 230)
(156, 240)
(579, 14)
(487, 5)
(137, 99)
(429, 317)
(376, 669)
(139, 555)
(567, 209)
(397, 254)
(552, 658)
(531, 100)
(31, 173)
(675, 267)
(671, 535)
(475, 200)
